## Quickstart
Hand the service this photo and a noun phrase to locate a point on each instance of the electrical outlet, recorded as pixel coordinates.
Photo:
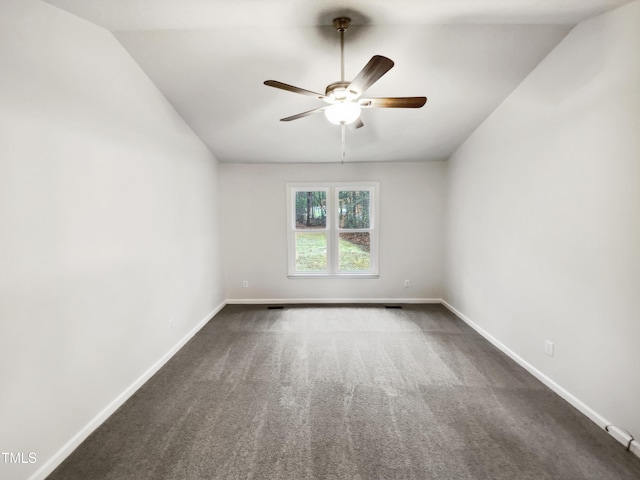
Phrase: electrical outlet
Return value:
(407, 283)
(171, 324)
(548, 347)
(245, 283)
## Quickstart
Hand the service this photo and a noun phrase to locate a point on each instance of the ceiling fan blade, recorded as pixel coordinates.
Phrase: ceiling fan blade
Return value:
(397, 102)
(291, 88)
(357, 124)
(370, 74)
(303, 114)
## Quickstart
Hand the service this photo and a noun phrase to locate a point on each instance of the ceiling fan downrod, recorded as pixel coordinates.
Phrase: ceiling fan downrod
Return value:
(341, 24)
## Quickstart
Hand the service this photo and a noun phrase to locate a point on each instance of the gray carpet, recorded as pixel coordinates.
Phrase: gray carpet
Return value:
(337, 392)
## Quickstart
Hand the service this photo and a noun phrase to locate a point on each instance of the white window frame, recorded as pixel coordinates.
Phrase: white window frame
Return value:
(332, 229)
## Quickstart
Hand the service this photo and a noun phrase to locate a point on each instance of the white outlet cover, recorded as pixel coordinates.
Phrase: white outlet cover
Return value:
(548, 348)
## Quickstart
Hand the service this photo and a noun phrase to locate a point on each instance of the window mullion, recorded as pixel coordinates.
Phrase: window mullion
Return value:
(332, 224)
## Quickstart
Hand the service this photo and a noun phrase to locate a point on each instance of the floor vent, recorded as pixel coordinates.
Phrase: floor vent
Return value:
(393, 306)
(275, 307)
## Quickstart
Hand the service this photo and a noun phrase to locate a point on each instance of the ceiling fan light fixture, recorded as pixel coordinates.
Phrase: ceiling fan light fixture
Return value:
(342, 113)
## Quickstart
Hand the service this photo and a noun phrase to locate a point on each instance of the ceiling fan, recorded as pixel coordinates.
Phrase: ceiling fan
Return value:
(344, 99)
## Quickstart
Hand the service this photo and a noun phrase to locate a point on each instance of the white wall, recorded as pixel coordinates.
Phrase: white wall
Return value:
(108, 228)
(543, 229)
(255, 240)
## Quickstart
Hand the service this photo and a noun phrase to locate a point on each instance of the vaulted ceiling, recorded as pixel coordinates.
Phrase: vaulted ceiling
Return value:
(210, 59)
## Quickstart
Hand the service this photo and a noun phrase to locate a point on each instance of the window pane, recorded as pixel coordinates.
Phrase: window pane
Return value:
(355, 251)
(311, 251)
(353, 208)
(311, 209)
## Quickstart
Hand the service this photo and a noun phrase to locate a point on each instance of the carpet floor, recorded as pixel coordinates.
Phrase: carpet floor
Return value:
(345, 392)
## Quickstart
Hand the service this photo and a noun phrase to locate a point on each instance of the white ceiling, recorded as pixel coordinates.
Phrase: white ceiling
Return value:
(211, 57)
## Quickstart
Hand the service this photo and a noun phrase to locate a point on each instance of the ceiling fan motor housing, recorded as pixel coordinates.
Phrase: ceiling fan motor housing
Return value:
(340, 91)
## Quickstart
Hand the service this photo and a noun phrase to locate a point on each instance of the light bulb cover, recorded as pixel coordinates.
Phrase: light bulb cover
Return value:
(343, 113)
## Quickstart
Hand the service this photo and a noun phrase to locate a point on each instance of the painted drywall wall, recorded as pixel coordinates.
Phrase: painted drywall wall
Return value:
(543, 224)
(108, 229)
(255, 241)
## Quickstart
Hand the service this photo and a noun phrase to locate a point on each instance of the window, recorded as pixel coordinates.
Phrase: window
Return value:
(332, 229)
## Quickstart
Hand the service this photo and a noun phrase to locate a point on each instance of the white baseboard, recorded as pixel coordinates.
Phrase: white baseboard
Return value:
(52, 463)
(635, 448)
(594, 416)
(295, 301)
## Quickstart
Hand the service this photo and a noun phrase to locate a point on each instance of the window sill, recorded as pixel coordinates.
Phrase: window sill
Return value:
(296, 276)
